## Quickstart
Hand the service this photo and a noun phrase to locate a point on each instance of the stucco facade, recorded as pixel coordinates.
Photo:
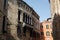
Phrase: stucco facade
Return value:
(46, 30)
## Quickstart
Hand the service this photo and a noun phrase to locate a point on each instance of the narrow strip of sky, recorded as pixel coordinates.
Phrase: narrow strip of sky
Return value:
(42, 7)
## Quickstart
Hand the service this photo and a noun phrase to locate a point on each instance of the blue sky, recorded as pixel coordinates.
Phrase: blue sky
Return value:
(42, 7)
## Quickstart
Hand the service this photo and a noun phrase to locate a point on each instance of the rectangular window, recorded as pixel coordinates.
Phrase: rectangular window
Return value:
(30, 20)
(24, 17)
(47, 26)
(5, 4)
(19, 31)
(42, 33)
(31, 33)
(3, 28)
(33, 21)
(19, 15)
(24, 31)
(27, 18)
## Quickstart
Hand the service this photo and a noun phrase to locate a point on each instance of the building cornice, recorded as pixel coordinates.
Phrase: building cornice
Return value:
(33, 11)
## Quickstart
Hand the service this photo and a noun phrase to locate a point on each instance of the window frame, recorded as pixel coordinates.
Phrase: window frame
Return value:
(5, 1)
(47, 26)
(47, 33)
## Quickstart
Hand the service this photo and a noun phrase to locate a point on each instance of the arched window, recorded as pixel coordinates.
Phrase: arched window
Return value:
(47, 26)
(47, 33)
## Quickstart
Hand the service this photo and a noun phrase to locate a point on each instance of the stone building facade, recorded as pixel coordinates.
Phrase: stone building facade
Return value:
(20, 21)
(46, 30)
(55, 15)
(3, 17)
(12, 19)
(31, 19)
